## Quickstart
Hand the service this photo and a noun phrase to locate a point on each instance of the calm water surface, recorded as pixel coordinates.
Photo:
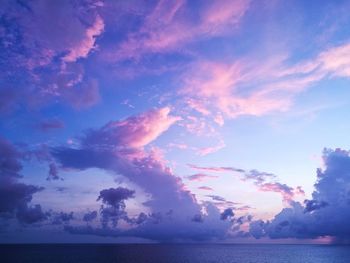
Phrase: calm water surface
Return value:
(174, 253)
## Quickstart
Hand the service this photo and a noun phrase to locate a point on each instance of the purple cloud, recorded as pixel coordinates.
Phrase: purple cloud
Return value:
(90, 216)
(200, 177)
(326, 214)
(15, 196)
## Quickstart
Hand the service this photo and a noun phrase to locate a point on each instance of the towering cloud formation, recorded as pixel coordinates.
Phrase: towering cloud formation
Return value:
(327, 214)
(114, 199)
(117, 146)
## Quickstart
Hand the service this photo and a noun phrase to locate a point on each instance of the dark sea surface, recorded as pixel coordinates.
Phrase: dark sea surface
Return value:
(159, 253)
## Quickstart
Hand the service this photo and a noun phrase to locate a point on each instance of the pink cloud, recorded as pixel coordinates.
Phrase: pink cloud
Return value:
(208, 150)
(227, 90)
(170, 25)
(49, 35)
(134, 132)
(286, 191)
(181, 146)
(82, 49)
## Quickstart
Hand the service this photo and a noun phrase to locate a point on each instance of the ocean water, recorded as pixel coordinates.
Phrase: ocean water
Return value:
(159, 253)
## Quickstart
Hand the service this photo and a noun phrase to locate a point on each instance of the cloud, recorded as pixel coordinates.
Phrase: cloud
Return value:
(285, 190)
(228, 213)
(217, 198)
(160, 227)
(53, 172)
(82, 49)
(217, 88)
(115, 196)
(208, 150)
(119, 147)
(15, 197)
(134, 132)
(172, 24)
(326, 214)
(206, 188)
(62, 218)
(264, 181)
(90, 216)
(30, 215)
(114, 207)
(42, 52)
(216, 169)
(200, 177)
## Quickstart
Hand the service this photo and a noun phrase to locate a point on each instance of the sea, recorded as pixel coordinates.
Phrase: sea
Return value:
(174, 253)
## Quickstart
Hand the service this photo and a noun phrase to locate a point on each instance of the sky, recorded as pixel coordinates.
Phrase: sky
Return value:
(174, 121)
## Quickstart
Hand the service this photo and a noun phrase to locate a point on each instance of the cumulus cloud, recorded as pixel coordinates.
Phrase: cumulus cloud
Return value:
(115, 196)
(90, 216)
(61, 218)
(15, 197)
(326, 214)
(114, 208)
(30, 215)
(228, 213)
(169, 227)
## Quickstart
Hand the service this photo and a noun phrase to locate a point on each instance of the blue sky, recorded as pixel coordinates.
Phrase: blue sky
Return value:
(175, 121)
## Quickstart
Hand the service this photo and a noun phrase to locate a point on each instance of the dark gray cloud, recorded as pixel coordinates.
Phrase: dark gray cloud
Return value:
(114, 206)
(169, 227)
(90, 216)
(30, 215)
(227, 214)
(15, 196)
(61, 218)
(311, 205)
(53, 172)
(11, 157)
(115, 196)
